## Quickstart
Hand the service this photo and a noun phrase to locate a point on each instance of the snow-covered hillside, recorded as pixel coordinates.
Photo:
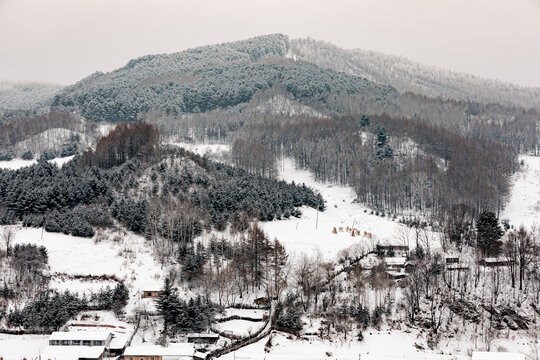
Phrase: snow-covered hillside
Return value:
(313, 231)
(19, 163)
(73, 260)
(26, 95)
(524, 205)
(406, 75)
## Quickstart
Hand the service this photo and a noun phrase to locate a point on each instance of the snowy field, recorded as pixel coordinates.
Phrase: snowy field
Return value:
(524, 205)
(129, 258)
(15, 347)
(312, 233)
(377, 345)
(20, 163)
(374, 347)
(239, 327)
(250, 313)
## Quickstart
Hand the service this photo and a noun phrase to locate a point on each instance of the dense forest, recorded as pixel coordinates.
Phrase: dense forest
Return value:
(96, 186)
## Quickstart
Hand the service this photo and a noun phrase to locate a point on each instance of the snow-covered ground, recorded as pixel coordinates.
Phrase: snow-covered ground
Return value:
(129, 258)
(312, 232)
(382, 346)
(524, 205)
(16, 347)
(251, 313)
(239, 327)
(377, 345)
(202, 149)
(20, 163)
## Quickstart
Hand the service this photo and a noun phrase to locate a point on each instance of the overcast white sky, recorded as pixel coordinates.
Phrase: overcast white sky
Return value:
(64, 40)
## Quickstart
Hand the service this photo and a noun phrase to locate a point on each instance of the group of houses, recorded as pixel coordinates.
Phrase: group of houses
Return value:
(100, 344)
(398, 265)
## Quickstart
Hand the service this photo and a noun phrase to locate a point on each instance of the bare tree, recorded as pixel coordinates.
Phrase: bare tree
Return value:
(8, 235)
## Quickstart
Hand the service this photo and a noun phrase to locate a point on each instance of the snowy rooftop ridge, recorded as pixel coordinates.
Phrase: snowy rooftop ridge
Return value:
(80, 335)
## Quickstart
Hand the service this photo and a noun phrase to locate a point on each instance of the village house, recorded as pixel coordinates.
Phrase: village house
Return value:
(180, 351)
(117, 346)
(494, 262)
(453, 263)
(73, 353)
(80, 338)
(391, 250)
(262, 301)
(150, 293)
(395, 263)
(202, 338)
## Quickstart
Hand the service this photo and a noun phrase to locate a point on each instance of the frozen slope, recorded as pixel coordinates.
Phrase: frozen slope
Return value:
(313, 231)
(524, 205)
(128, 257)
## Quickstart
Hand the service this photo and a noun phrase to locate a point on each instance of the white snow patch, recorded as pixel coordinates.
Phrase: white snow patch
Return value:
(130, 259)
(16, 347)
(20, 163)
(204, 149)
(312, 232)
(524, 205)
(240, 327)
(374, 347)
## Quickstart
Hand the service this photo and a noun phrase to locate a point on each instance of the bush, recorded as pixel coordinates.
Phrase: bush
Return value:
(27, 155)
(6, 155)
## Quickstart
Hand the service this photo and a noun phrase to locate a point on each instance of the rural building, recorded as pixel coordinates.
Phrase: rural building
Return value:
(409, 266)
(390, 250)
(117, 345)
(202, 338)
(181, 351)
(454, 264)
(73, 353)
(494, 262)
(395, 263)
(80, 338)
(262, 301)
(396, 275)
(150, 294)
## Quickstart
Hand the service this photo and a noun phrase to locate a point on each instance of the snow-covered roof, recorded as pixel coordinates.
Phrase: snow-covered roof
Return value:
(395, 260)
(200, 355)
(180, 349)
(203, 335)
(72, 352)
(80, 335)
(484, 355)
(152, 288)
(118, 342)
(391, 245)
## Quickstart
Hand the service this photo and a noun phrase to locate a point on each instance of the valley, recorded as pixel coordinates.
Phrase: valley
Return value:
(270, 198)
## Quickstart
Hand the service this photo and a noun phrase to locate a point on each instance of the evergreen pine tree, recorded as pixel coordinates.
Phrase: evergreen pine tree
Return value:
(488, 233)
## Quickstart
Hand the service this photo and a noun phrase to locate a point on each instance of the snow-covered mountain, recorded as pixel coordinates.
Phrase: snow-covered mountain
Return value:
(26, 95)
(409, 76)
